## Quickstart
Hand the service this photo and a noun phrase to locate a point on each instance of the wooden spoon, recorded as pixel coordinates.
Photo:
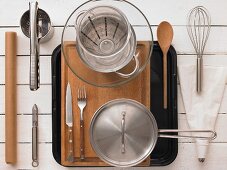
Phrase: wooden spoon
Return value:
(165, 37)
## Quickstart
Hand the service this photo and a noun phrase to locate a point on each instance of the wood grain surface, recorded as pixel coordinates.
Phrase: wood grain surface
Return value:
(138, 89)
(11, 97)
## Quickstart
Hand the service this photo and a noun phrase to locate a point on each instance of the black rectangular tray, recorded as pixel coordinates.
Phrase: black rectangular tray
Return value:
(166, 149)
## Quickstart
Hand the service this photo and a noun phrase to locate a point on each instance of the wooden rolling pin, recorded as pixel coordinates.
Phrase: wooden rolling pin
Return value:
(10, 98)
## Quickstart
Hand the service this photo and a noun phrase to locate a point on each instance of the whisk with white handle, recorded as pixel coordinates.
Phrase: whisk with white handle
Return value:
(198, 28)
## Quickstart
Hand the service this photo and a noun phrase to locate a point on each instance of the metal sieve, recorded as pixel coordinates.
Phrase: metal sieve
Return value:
(106, 42)
(99, 60)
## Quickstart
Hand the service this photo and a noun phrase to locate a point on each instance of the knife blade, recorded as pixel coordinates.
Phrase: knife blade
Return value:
(69, 117)
(69, 123)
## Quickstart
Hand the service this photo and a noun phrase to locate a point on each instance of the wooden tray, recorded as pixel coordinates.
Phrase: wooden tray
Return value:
(137, 89)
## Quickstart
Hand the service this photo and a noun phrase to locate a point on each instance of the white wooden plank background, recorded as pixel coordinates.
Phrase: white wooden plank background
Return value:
(174, 11)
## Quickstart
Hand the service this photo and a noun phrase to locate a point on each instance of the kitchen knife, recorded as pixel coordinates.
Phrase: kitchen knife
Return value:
(69, 123)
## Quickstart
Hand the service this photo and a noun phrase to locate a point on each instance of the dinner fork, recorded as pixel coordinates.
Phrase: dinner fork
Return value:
(82, 101)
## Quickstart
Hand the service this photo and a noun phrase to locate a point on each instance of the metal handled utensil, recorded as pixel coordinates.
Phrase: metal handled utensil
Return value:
(198, 28)
(36, 25)
(69, 123)
(35, 162)
(165, 37)
(82, 101)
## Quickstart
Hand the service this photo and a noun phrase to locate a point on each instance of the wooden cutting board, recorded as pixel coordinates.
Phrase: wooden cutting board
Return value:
(137, 89)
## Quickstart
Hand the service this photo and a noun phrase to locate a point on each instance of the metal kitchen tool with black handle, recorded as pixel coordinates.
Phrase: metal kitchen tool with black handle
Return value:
(36, 25)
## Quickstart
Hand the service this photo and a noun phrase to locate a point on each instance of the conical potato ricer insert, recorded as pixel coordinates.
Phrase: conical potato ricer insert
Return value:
(106, 42)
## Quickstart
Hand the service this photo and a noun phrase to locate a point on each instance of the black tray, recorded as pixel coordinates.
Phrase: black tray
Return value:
(166, 149)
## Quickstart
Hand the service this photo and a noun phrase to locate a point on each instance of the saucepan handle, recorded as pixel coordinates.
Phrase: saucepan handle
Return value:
(212, 135)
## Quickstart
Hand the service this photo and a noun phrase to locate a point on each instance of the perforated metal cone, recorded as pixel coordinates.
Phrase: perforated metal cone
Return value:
(43, 29)
(106, 41)
(103, 35)
(123, 132)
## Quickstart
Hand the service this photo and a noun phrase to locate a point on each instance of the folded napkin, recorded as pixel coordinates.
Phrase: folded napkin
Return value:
(202, 109)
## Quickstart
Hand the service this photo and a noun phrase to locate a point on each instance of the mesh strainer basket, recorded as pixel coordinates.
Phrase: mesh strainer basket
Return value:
(106, 41)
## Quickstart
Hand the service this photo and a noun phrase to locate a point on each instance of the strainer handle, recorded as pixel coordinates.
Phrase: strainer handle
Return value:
(135, 69)
(78, 16)
(34, 47)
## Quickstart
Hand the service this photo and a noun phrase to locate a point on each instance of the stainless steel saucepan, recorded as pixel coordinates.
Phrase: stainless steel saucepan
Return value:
(123, 132)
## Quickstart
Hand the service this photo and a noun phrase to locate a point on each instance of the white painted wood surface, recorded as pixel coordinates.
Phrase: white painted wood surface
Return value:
(174, 11)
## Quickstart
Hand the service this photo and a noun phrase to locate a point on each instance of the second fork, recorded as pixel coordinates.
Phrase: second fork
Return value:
(82, 101)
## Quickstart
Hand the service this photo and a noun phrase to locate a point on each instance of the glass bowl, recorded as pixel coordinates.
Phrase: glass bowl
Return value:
(73, 55)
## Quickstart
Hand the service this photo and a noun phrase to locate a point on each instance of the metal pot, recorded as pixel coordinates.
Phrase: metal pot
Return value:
(123, 132)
